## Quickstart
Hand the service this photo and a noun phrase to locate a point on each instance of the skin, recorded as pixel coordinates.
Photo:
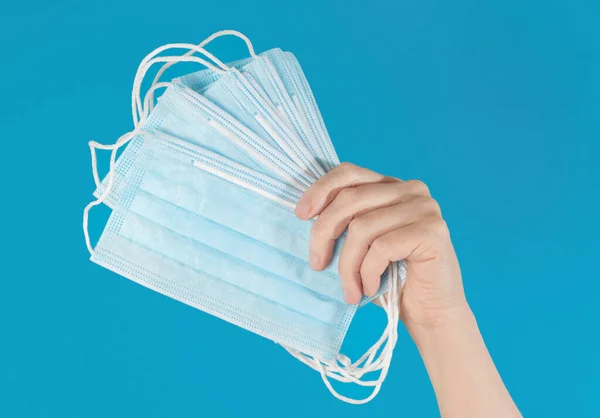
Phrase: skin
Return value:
(388, 220)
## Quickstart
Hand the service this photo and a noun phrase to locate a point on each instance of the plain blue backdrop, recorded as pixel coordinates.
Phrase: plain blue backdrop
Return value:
(494, 104)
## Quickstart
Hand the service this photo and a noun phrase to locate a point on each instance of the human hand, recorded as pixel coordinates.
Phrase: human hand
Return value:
(387, 220)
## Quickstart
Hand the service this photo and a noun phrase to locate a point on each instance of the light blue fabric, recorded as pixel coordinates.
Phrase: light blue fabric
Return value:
(284, 83)
(297, 85)
(203, 205)
(244, 97)
(193, 109)
(225, 242)
(185, 114)
(178, 115)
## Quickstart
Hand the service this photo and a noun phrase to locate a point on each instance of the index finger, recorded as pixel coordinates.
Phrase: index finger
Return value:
(325, 189)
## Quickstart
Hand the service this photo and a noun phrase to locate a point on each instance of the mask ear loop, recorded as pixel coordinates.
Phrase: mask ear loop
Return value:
(230, 33)
(151, 59)
(343, 370)
(347, 371)
(147, 62)
(136, 102)
(95, 145)
(140, 111)
(201, 45)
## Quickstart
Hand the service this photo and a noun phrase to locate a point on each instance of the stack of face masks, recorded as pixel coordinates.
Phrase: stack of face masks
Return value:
(203, 201)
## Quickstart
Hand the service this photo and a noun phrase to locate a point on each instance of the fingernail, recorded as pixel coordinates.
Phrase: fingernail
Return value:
(314, 260)
(302, 208)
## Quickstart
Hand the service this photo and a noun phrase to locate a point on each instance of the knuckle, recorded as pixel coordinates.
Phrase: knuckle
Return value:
(357, 226)
(346, 168)
(381, 246)
(438, 227)
(390, 179)
(350, 194)
(419, 187)
(319, 228)
(429, 205)
(424, 206)
(322, 185)
(398, 187)
(417, 205)
(435, 206)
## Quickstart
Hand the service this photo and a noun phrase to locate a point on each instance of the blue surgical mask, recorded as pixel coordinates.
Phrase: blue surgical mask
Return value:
(185, 114)
(228, 130)
(290, 235)
(246, 100)
(283, 81)
(243, 97)
(222, 249)
(215, 234)
(265, 78)
(297, 85)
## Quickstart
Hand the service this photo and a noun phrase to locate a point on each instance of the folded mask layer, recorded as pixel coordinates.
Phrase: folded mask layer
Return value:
(244, 98)
(222, 248)
(180, 159)
(203, 201)
(279, 75)
(187, 115)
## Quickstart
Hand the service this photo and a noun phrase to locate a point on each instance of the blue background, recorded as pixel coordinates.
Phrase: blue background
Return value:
(494, 104)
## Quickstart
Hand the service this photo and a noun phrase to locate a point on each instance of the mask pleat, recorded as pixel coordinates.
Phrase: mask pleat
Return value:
(203, 199)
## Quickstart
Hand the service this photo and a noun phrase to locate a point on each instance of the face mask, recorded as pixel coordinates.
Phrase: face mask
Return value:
(184, 114)
(263, 75)
(279, 78)
(247, 102)
(172, 192)
(169, 155)
(221, 239)
(233, 107)
(301, 93)
(224, 250)
(285, 85)
(179, 113)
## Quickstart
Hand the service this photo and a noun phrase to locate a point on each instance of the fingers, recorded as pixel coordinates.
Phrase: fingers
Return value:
(347, 205)
(350, 203)
(385, 219)
(363, 230)
(325, 189)
(415, 242)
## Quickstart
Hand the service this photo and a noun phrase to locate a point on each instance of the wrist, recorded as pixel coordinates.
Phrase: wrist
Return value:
(448, 321)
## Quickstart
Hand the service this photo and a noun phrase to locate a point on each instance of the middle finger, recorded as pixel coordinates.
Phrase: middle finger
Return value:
(349, 203)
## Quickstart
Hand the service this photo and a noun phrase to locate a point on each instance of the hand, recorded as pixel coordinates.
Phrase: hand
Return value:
(387, 220)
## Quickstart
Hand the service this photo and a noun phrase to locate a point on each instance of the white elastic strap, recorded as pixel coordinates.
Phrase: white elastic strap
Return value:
(232, 33)
(343, 370)
(136, 102)
(200, 49)
(111, 174)
(145, 112)
(143, 109)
